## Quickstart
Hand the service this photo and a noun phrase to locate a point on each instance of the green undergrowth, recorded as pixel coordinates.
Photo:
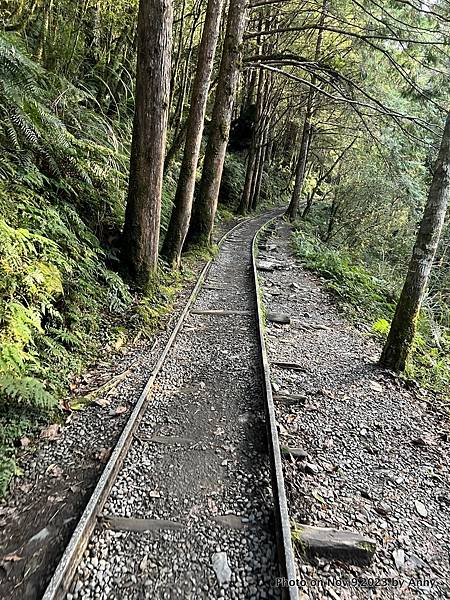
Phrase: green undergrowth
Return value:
(371, 301)
(63, 180)
(199, 252)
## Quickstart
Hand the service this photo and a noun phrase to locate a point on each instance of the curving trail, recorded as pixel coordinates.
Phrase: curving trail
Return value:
(191, 511)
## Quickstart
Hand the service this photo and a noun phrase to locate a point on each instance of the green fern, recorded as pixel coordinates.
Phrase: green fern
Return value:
(26, 390)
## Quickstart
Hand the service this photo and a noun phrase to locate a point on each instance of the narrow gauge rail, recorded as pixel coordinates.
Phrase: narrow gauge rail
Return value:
(189, 501)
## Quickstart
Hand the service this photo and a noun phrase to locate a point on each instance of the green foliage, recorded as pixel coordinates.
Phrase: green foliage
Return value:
(381, 328)
(62, 184)
(371, 300)
(233, 180)
(360, 290)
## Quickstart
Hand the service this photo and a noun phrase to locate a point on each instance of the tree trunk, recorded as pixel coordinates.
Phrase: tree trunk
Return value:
(142, 218)
(254, 150)
(261, 164)
(403, 327)
(292, 210)
(205, 206)
(181, 213)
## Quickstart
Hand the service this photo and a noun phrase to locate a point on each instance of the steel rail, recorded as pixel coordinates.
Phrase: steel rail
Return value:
(283, 528)
(62, 577)
(67, 566)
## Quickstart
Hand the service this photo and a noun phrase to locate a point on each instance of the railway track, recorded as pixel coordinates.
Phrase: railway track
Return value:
(192, 504)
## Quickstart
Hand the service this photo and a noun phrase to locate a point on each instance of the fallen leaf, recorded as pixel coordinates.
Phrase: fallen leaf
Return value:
(25, 441)
(144, 563)
(377, 387)
(120, 410)
(12, 558)
(420, 508)
(102, 402)
(77, 405)
(51, 433)
(103, 455)
(315, 494)
(54, 471)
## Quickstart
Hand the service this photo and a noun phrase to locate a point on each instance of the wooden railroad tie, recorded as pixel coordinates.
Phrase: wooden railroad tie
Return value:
(221, 312)
(337, 544)
(139, 525)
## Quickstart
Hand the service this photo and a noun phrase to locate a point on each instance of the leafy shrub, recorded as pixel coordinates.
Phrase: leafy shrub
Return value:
(371, 300)
(359, 289)
(381, 328)
(62, 187)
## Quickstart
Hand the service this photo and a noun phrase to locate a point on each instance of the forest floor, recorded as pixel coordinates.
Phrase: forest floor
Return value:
(60, 470)
(377, 452)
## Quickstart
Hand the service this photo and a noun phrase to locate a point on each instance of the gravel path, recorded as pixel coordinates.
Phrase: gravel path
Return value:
(60, 473)
(206, 472)
(377, 453)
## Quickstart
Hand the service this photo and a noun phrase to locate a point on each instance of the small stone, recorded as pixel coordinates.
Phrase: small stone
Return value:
(295, 452)
(420, 508)
(221, 567)
(399, 558)
(311, 468)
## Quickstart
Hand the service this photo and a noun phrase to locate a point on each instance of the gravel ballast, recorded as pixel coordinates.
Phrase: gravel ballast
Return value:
(370, 454)
(61, 470)
(198, 460)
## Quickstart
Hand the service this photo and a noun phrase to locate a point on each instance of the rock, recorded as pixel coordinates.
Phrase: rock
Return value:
(383, 509)
(420, 508)
(333, 543)
(221, 567)
(38, 539)
(264, 265)
(230, 521)
(399, 558)
(281, 318)
(311, 468)
(414, 562)
(295, 452)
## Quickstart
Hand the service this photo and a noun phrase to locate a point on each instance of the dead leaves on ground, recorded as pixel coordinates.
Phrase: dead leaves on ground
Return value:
(51, 433)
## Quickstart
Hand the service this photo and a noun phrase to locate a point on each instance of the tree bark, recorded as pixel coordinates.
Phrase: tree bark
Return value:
(140, 238)
(181, 213)
(205, 206)
(300, 170)
(403, 327)
(254, 150)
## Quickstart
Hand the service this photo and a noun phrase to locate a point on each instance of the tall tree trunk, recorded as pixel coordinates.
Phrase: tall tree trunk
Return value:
(249, 176)
(261, 163)
(254, 150)
(300, 170)
(142, 218)
(403, 327)
(41, 47)
(181, 213)
(205, 205)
